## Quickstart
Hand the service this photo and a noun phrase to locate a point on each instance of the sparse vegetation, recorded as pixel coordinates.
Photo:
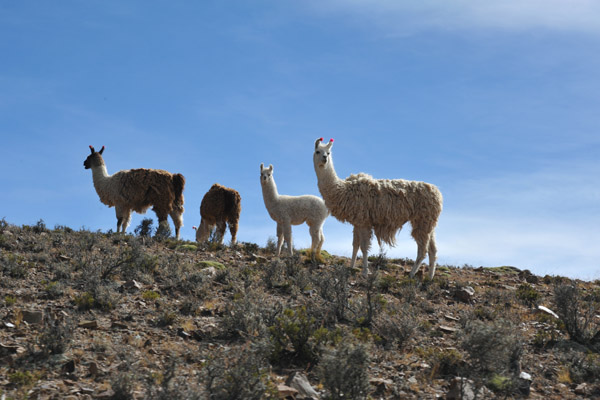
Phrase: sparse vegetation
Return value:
(129, 316)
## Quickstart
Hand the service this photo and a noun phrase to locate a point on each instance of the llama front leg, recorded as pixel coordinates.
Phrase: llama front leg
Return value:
(123, 218)
(221, 225)
(355, 246)
(126, 220)
(279, 238)
(119, 213)
(287, 235)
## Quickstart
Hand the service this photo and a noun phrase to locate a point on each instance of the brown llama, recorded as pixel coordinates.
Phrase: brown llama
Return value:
(220, 206)
(137, 190)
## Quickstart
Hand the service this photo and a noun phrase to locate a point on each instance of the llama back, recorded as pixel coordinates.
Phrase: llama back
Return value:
(142, 188)
(384, 204)
(221, 200)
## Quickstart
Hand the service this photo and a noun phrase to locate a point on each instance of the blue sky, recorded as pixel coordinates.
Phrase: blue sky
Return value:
(494, 102)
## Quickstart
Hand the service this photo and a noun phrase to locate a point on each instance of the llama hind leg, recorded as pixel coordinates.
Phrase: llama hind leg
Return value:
(365, 243)
(315, 246)
(422, 240)
(177, 217)
(432, 252)
(233, 228)
(163, 223)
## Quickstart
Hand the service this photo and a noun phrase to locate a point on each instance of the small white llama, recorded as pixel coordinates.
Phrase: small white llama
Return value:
(293, 210)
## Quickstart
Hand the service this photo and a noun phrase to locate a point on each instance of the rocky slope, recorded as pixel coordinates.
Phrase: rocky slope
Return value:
(106, 316)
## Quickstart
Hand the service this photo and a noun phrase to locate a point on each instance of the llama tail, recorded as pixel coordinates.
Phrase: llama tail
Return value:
(178, 185)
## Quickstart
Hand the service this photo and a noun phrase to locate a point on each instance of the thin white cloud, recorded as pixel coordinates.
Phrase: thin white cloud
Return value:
(404, 17)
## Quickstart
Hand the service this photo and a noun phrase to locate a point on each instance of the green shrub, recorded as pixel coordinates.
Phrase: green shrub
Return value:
(343, 372)
(243, 375)
(528, 295)
(578, 315)
(293, 337)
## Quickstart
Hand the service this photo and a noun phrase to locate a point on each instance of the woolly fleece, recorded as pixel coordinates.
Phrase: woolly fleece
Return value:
(220, 205)
(293, 210)
(137, 190)
(381, 206)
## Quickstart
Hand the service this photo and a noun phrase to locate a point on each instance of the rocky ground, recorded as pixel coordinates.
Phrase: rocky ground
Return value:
(107, 316)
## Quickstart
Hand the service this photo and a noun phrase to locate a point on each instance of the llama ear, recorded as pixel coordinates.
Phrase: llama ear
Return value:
(317, 142)
(101, 150)
(270, 167)
(328, 145)
(262, 166)
(92, 149)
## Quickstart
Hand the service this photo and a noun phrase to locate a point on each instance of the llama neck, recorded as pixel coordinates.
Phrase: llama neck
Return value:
(101, 179)
(270, 194)
(327, 178)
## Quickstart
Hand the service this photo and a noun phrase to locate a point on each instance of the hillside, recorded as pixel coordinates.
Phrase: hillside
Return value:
(108, 316)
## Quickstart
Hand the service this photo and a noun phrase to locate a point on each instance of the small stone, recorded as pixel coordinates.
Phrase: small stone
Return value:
(548, 311)
(524, 383)
(447, 329)
(581, 389)
(93, 369)
(6, 350)
(299, 381)
(69, 367)
(118, 325)
(89, 324)
(33, 317)
(183, 334)
(285, 392)
(132, 284)
(462, 388)
(465, 294)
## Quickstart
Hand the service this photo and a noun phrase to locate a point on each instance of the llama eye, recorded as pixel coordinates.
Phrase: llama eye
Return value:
(318, 152)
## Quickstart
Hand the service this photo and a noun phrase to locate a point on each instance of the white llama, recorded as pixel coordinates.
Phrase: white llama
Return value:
(293, 210)
(137, 190)
(382, 206)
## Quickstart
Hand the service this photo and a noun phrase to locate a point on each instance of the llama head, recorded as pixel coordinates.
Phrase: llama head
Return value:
(94, 159)
(322, 155)
(266, 174)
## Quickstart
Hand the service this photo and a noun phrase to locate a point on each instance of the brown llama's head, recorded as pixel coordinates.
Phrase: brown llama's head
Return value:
(94, 159)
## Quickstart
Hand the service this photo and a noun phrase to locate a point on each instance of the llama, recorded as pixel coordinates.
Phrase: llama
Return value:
(382, 206)
(293, 210)
(137, 190)
(220, 205)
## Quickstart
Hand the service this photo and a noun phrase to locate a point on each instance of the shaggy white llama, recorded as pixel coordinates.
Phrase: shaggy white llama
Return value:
(293, 210)
(137, 190)
(382, 206)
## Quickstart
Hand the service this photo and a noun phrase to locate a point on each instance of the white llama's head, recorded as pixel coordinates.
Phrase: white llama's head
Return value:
(322, 155)
(266, 174)
(94, 159)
